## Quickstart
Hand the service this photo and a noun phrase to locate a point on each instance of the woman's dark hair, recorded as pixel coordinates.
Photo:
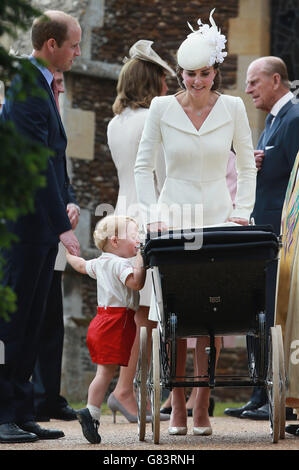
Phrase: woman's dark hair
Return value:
(217, 80)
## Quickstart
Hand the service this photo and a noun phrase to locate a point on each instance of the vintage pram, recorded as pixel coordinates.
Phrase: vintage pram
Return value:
(216, 290)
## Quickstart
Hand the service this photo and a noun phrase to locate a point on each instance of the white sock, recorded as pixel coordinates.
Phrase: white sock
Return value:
(94, 411)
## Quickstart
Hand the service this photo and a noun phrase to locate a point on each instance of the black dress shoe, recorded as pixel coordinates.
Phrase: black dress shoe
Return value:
(237, 412)
(42, 433)
(89, 426)
(10, 433)
(263, 413)
(293, 429)
(260, 414)
(66, 413)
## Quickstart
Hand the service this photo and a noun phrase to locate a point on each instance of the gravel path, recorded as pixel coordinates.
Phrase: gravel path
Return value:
(228, 434)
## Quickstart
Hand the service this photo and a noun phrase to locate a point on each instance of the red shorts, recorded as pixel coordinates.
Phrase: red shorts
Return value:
(111, 335)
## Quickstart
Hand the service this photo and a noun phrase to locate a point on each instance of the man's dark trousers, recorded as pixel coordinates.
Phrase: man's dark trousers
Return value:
(28, 271)
(47, 371)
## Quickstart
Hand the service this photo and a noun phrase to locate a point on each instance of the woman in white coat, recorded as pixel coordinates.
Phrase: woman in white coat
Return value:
(197, 128)
(141, 79)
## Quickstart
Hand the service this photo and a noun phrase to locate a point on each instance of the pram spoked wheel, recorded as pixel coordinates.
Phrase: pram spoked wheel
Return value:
(282, 383)
(275, 384)
(140, 383)
(154, 385)
(148, 385)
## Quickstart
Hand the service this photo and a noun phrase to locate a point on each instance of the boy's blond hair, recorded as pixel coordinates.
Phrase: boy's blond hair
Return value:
(109, 226)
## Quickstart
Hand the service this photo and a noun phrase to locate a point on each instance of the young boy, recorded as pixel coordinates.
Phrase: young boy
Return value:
(111, 333)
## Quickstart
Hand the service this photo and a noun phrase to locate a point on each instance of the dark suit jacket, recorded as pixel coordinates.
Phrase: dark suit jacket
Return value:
(273, 178)
(39, 120)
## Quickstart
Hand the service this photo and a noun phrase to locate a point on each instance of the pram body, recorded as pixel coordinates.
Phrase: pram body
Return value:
(211, 282)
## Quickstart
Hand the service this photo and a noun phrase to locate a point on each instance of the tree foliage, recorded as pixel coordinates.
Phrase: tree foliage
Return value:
(21, 160)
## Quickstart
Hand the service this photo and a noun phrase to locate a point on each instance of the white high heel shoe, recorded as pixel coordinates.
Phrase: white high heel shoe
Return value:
(177, 430)
(202, 431)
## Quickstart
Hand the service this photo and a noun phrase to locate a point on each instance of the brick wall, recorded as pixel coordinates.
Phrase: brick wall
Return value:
(164, 22)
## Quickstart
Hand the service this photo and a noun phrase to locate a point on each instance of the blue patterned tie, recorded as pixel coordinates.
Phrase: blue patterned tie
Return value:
(269, 120)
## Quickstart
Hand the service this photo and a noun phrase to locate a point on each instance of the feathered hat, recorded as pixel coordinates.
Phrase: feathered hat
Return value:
(202, 48)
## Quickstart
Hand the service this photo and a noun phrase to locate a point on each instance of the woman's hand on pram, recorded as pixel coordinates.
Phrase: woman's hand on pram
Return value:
(238, 220)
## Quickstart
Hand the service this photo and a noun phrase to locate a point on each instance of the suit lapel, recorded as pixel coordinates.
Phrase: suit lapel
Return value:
(218, 116)
(260, 141)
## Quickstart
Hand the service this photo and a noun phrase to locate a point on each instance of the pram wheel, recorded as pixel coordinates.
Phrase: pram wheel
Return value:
(154, 384)
(256, 345)
(282, 383)
(140, 383)
(272, 384)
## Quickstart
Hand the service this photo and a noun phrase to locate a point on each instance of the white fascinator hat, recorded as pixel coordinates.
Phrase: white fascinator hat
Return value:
(142, 50)
(202, 48)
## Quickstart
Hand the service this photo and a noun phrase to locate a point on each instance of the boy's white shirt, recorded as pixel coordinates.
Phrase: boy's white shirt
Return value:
(111, 272)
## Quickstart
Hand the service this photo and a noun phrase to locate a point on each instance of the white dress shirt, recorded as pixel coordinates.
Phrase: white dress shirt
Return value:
(111, 272)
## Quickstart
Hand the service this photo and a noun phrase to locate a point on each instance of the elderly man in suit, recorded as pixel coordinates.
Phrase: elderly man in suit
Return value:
(30, 262)
(268, 84)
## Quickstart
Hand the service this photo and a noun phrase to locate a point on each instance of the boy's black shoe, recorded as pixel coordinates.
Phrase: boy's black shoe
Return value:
(89, 426)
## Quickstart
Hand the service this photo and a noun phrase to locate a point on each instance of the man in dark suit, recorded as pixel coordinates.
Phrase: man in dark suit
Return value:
(268, 84)
(30, 262)
(46, 378)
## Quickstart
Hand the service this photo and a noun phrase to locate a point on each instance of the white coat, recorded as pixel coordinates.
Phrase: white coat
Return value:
(196, 160)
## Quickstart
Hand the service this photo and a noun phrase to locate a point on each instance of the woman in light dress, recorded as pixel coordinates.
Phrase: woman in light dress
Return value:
(197, 128)
(141, 79)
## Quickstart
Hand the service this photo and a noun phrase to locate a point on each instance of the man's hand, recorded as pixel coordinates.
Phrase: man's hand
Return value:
(259, 157)
(73, 213)
(71, 243)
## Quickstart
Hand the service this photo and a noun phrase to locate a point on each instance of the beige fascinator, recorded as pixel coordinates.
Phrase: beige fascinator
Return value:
(142, 50)
(202, 48)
